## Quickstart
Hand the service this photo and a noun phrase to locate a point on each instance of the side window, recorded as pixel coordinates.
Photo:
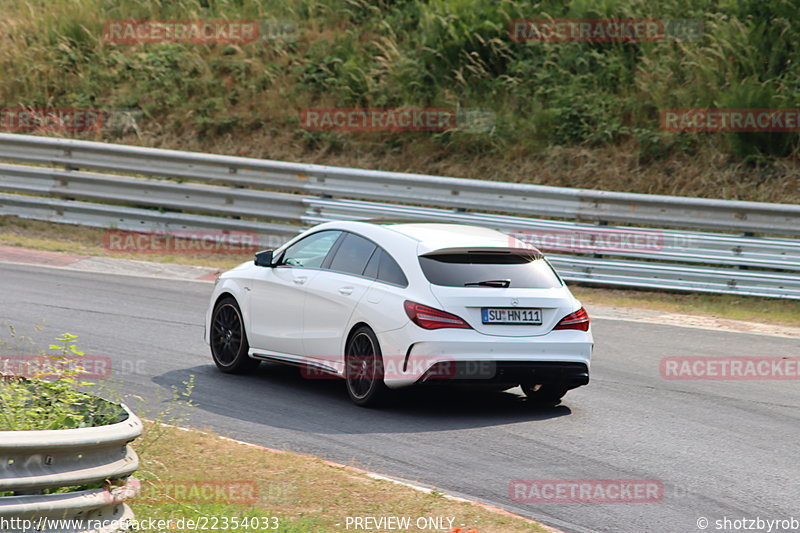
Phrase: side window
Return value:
(311, 251)
(352, 255)
(390, 272)
(382, 267)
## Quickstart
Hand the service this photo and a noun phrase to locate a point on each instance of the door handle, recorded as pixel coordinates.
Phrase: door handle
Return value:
(300, 280)
(346, 290)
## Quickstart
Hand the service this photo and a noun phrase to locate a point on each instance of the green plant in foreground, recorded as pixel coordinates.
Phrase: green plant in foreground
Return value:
(35, 403)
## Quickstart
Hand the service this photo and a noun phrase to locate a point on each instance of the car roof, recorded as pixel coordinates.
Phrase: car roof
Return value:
(433, 236)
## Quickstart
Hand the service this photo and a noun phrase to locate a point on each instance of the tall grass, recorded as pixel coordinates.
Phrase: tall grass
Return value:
(449, 53)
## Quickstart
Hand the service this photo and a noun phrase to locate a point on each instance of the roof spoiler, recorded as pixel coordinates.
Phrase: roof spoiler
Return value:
(530, 251)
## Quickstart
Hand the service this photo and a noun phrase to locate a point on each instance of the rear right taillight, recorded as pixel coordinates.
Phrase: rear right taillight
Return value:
(431, 318)
(577, 320)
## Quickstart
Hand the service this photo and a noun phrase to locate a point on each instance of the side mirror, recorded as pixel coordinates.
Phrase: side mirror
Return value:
(264, 258)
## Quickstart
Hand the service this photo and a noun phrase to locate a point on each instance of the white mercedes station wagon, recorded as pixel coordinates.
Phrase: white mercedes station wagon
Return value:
(391, 305)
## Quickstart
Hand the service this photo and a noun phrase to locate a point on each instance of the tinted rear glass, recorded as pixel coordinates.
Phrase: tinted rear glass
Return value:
(383, 268)
(470, 269)
(390, 272)
(352, 255)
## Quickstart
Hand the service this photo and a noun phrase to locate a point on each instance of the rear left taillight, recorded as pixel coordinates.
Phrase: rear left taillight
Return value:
(430, 318)
(577, 320)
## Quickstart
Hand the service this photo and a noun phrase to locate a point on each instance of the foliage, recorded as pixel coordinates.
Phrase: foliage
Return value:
(34, 403)
(443, 53)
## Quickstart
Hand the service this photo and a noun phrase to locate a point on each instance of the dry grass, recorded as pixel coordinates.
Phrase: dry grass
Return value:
(710, 174)
(304, 492)
(83, 240)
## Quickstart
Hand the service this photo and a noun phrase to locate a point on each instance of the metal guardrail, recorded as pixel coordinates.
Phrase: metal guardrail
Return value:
(460, 193)
(194, 191)
(32, 461)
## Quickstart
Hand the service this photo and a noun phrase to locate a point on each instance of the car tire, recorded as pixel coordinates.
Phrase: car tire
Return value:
(228, 339)
(364, 368)
(549, 394)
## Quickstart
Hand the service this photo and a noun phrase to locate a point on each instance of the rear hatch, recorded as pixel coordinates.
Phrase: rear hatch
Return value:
(504, 292)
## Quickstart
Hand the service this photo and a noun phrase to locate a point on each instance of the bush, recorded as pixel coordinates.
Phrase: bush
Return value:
(30, 403)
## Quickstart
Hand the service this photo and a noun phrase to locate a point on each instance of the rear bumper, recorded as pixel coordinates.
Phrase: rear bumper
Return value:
(570, 375)
(465, 356)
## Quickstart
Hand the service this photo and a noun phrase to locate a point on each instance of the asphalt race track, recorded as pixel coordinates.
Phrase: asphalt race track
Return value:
(720, 448)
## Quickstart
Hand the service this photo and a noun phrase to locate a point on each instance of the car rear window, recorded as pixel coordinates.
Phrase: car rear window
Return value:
(489, 269)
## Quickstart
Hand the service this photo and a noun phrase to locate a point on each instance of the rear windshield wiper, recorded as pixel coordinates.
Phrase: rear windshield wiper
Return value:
(489, 283)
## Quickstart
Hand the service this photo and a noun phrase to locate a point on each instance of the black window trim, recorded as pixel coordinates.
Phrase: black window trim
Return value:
(377, 249)
(335, 248)
(326, 263)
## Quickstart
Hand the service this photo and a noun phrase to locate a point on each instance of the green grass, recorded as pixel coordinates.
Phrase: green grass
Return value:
(582, 98)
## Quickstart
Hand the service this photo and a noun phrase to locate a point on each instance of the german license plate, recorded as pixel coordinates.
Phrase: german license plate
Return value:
(513, 316)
